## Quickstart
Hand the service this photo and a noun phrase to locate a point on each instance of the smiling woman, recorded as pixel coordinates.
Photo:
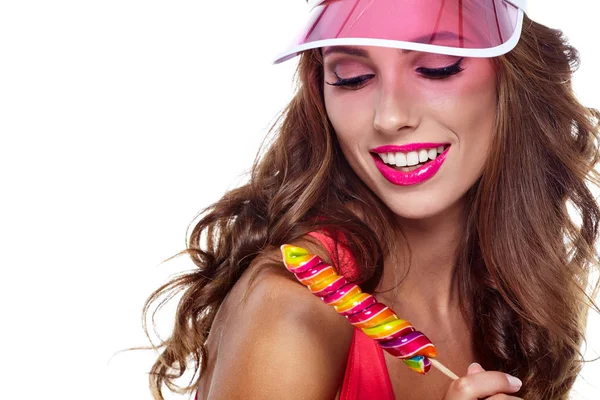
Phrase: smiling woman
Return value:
(450, 106)
(406, 164)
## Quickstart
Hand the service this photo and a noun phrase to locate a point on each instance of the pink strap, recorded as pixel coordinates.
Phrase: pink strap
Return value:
(347, 266)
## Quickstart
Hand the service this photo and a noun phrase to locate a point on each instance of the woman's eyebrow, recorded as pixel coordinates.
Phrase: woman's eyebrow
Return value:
(353, 51)
(425, 39)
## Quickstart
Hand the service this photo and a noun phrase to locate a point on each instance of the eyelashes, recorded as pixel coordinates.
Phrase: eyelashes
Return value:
(441, 73)
(429, 73)
(351, 83)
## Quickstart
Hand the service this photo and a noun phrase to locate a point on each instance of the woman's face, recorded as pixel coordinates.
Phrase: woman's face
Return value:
(416, 127)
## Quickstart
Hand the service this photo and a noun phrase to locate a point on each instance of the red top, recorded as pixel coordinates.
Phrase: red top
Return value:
(366, 376)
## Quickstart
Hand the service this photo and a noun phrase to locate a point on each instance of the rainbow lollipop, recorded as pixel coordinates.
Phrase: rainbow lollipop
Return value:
(362, 310)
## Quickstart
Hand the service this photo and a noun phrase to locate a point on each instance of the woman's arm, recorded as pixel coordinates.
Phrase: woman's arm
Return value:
(275, 340)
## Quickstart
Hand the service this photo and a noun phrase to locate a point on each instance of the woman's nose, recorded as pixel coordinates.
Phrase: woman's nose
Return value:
(394, 111)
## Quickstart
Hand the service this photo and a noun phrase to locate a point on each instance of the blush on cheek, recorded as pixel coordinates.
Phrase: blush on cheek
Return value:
(476, 102)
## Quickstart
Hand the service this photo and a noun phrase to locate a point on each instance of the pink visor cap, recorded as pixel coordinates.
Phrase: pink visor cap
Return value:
(468, 28)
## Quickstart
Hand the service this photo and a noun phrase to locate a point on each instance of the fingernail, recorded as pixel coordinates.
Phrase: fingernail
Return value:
(474, 368)
(514, 382)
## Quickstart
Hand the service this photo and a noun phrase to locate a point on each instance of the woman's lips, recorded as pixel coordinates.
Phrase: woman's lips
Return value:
(413, 177)
(407, 147)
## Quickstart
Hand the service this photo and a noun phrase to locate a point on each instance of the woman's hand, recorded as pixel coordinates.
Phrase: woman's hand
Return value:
(479, 383)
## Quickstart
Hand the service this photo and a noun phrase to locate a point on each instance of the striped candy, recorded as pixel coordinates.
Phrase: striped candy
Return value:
(376, 320)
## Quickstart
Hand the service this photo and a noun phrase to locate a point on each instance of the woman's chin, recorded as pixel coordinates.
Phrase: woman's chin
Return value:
(424, 208)
(418, 213)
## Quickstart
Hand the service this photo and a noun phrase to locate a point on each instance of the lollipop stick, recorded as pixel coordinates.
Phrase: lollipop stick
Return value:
(443, 369)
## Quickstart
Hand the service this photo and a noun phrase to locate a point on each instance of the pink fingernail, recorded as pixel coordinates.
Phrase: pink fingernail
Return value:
(514, 382)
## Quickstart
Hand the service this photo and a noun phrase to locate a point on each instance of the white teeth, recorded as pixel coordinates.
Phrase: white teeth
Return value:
(391, 158)
(400, 159)
(412, 158)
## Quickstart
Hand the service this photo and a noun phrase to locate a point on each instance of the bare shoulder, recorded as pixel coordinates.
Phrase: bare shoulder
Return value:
(273, 339)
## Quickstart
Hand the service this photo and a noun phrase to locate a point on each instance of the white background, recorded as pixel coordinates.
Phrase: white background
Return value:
(119, 121)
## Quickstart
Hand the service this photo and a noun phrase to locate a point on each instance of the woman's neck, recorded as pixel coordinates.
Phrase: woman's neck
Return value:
(426, 278)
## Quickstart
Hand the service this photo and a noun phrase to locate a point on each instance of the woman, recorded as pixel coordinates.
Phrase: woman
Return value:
(432, 160)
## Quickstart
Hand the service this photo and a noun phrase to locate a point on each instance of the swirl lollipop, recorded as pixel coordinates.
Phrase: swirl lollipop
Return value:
(398, 337)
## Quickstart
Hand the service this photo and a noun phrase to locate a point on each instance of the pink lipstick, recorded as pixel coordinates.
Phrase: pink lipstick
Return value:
(419, 175)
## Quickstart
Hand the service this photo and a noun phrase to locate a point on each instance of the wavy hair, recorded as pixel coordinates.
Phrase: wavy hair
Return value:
(526, 262)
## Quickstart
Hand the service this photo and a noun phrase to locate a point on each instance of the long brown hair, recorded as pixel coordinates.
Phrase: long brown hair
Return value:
(524, 264)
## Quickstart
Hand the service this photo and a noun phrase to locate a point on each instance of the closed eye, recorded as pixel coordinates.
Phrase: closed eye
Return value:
(430, 73)
(351, 83)
(441, 73)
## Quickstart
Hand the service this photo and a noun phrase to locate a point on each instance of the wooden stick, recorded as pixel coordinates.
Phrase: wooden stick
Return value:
(442, 368)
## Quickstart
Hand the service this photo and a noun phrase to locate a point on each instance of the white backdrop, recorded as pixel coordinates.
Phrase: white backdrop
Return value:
(119, 120)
